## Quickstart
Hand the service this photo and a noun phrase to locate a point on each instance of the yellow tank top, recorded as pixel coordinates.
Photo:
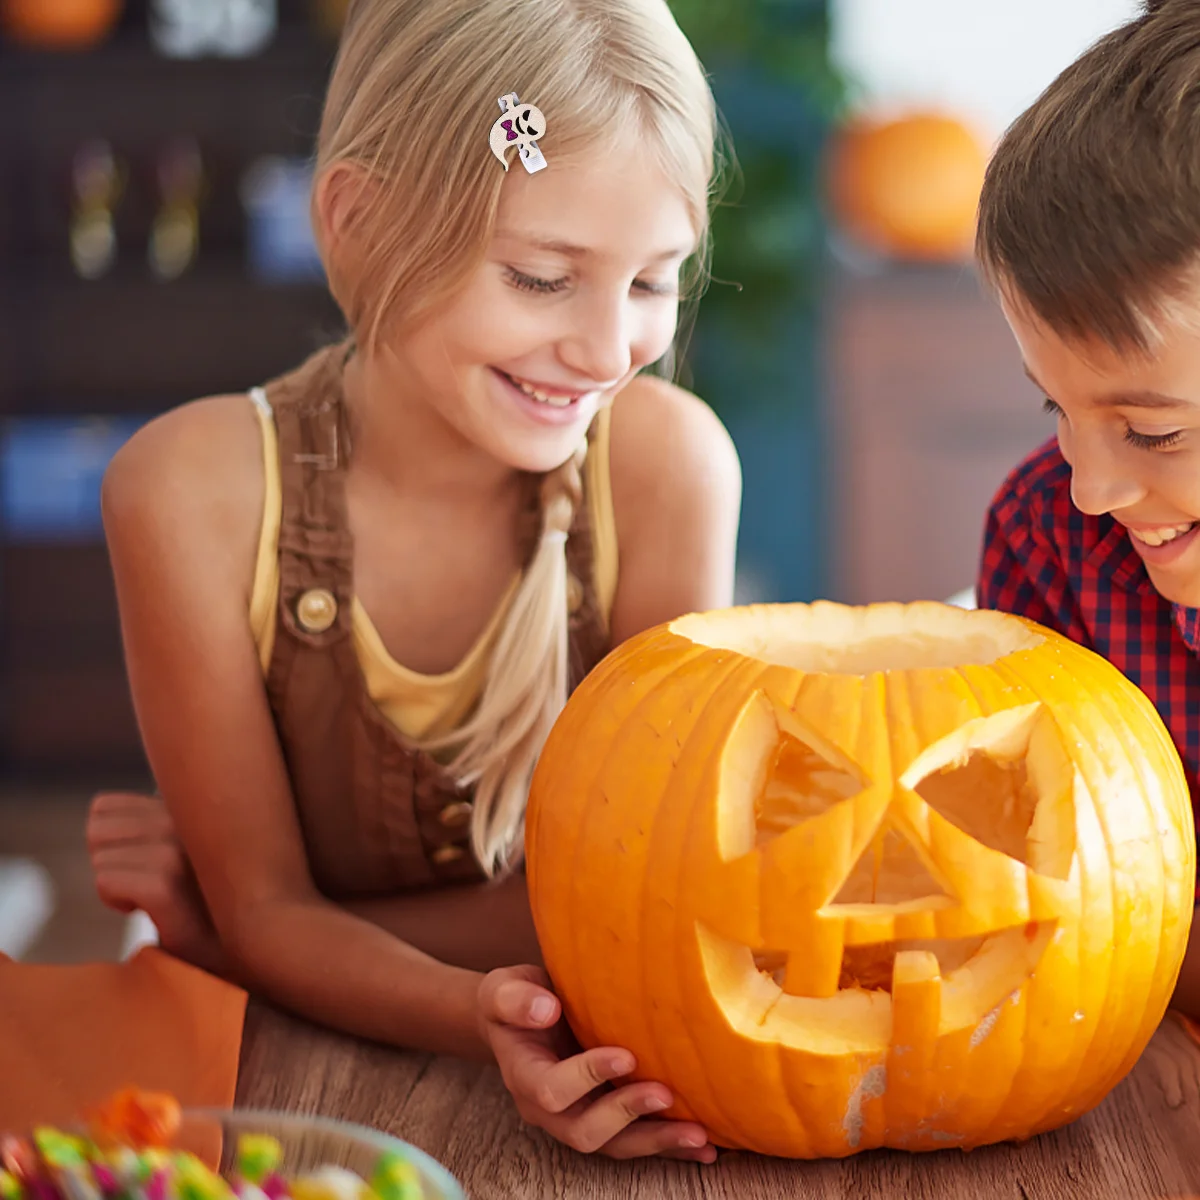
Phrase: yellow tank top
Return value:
(421, 706)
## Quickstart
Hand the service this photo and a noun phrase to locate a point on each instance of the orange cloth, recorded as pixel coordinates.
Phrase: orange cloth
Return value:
(1190, 1027)
(72, 1036)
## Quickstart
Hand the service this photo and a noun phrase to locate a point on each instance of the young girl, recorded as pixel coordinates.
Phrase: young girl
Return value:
(1089, 228)
(354, 601)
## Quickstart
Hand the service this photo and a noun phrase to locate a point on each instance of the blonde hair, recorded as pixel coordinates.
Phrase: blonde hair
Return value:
(413, 96)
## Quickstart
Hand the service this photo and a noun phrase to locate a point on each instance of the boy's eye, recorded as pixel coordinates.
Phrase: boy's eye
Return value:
(1152, 441)
(1049, 407)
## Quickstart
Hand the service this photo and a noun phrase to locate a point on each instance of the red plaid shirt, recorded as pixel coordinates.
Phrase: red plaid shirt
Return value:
(1080, 575)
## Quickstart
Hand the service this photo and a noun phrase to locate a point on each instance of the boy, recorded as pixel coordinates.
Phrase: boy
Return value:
(1089, 230)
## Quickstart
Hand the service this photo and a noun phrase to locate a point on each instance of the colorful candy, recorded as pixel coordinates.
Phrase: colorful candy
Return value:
(126, 1155)
(258, 1156)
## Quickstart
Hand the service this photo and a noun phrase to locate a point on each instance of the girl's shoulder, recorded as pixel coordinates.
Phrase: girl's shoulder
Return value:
(668, 447)
(192, 477)
(676, 487)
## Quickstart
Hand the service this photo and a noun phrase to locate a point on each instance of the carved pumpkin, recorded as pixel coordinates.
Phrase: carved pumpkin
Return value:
(58, 24)
(843, 878)
(908, 187)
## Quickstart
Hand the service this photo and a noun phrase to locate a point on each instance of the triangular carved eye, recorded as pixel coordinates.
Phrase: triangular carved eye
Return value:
(776, 773)
(800, 784)
(1006, 782)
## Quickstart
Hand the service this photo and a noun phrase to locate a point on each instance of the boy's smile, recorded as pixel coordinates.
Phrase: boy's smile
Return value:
(1129, 426)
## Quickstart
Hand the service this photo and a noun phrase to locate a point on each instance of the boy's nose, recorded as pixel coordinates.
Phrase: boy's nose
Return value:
(1101, 478)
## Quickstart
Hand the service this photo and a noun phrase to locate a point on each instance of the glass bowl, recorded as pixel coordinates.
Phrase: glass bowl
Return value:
(308, 1143)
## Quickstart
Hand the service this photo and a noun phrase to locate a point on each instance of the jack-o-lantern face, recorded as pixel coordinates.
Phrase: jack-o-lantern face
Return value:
(845, 878)
(886, 907)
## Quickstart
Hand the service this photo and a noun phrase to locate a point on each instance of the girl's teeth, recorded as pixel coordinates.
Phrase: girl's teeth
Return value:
(1160, 537)
(541, 397)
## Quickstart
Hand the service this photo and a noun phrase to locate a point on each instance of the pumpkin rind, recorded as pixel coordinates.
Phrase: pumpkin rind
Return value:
(648, 930)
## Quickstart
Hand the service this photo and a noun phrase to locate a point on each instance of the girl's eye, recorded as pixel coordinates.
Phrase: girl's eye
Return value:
(531, 283)
(1152, 441)
(668, 290)
(1052, 409)
(548, 287)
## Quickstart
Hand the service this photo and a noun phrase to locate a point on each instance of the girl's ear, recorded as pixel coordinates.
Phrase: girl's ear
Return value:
(342, 197)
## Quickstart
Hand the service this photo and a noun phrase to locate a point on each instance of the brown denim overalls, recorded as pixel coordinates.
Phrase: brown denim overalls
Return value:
(377, 815)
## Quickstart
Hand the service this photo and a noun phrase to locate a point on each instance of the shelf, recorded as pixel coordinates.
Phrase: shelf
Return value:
(64, 698)
(73, 345)
(296, 44)
(124, 90)
(128, 345)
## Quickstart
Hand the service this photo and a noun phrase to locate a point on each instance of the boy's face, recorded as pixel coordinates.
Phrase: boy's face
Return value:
(1130, 428)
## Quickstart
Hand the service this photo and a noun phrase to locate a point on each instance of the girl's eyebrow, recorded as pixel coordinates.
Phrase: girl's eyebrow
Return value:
(1138, 399)
(571, 250)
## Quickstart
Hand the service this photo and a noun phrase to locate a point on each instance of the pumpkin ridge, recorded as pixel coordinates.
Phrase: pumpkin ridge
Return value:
(1147, 780)
(1116, 728)
(1083, 1059)
(581, 1001)
(791, 1088)
(741, 1136)
(725, 669)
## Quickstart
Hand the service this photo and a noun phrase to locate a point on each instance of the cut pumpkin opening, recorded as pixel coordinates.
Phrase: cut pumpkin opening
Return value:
(871, 968)
(838, 639)
(971, 977)
(890, 871)
(799, 784)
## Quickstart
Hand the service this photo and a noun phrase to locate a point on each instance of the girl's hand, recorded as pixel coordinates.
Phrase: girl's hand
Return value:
(574, 1096)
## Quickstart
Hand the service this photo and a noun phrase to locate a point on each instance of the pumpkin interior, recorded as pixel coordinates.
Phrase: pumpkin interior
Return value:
(836, 639)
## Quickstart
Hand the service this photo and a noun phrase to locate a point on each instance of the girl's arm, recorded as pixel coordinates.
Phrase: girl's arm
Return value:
(480, 926)
(181, 505)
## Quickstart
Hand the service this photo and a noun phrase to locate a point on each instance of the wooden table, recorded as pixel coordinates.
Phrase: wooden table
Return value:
(1143, 1141)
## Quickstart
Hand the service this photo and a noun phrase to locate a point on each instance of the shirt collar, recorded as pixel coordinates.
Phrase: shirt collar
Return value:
(1114, 556)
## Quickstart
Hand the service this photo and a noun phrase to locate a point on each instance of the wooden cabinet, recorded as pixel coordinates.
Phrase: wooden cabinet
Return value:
(927, 409)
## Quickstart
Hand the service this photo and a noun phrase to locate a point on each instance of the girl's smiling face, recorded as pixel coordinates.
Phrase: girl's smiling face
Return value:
(1129, 426)
(578, 292)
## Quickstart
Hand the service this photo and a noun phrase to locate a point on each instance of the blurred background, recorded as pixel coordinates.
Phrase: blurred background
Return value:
(154, 247)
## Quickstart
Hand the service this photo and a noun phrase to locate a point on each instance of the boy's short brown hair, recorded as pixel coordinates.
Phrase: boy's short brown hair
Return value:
(1090, 212)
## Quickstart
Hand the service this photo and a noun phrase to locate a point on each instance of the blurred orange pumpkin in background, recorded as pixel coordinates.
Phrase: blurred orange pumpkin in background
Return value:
(908, 187)
(331, 15)
(58, 24)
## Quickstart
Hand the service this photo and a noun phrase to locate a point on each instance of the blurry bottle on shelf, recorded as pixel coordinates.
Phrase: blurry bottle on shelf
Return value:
(276, 195)
(224, 28)
(330, 15)
(175, 233)
(97, 184)
(58, 24)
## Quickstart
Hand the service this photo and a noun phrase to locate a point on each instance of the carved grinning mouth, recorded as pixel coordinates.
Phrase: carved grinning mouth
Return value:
(872, 967)
(936, 984)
